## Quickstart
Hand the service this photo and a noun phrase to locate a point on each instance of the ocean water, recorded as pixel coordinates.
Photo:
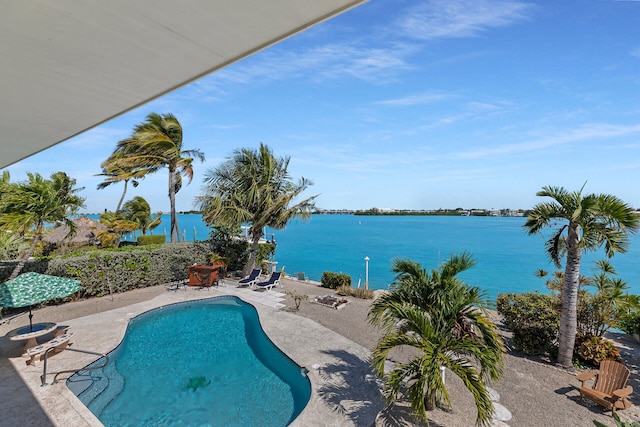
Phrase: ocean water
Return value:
(506, 257)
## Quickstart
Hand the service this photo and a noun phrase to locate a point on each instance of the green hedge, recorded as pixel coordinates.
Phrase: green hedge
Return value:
(123, 270)
(532, 318)
(334, 280)
(152, 239)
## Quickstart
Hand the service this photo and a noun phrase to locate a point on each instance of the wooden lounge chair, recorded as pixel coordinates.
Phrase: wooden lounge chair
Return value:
(609, 388)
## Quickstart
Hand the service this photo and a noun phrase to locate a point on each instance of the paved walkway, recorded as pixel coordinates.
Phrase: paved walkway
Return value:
(272, 298)
(343, 390)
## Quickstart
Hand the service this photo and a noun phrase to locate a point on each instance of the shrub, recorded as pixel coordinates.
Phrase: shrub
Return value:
(152, 239)
(535, 338)
(532, 318)
(121, 269)
(334, 280)
(354, 292)
(595, 349)
(630, 323)
(234, 251)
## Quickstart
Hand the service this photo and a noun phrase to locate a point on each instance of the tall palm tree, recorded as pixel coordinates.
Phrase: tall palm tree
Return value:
(157, 143)
(29, 206)
(444, 320)
(139, 211)
(586, 223)
(253, 186)
(115, 172)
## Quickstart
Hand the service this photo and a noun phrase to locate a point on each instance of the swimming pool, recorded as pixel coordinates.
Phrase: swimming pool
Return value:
(198, 363)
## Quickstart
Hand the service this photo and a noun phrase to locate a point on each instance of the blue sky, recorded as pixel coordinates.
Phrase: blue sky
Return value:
(412, 105)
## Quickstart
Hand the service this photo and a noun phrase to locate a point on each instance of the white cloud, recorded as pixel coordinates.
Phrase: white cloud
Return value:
(417, 99)
(459, 18)
(329, 61)
(584, 133)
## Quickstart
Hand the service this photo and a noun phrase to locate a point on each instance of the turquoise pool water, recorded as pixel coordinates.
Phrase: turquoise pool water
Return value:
(201, 363)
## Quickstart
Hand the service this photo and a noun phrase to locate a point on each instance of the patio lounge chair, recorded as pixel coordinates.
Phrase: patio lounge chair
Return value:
(301, 277)
(251, 279)
(273, 280)
(609, 388)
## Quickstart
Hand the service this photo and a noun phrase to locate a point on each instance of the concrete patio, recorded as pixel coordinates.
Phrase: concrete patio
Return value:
(344, 392)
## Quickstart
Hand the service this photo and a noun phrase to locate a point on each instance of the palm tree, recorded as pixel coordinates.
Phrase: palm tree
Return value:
(114, 172)
(587, 223)
(157, 143)
(445, 321)
(117, 226)
(29, 206)
(139, 211)
(611, 299)
(253, 186)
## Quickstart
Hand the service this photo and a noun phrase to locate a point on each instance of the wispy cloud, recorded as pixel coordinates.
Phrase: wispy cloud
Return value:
(417, 99)
(459, 18)
(377, 57)
(329, 61)
(584, 133)
(635, 52)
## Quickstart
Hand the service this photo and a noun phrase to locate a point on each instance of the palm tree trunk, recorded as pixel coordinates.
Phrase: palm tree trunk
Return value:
(124, 192)
(23, 260)
(568, 315)
(429, 403)
(253, 253)
(175, 235)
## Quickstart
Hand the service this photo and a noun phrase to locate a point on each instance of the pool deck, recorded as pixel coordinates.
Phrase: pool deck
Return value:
(344, 390)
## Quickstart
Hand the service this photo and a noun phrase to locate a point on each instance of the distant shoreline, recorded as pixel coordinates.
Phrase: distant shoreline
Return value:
(380, 212)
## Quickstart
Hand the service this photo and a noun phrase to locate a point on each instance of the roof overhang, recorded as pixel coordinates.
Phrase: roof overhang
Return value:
(68, 66)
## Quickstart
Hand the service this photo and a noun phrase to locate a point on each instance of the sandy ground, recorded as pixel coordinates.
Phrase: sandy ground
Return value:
(534, 391)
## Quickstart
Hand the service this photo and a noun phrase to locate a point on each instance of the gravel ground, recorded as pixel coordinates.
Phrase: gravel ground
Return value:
(533, 390)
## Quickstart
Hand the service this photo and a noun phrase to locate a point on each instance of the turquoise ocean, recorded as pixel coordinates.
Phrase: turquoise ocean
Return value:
(507, 258)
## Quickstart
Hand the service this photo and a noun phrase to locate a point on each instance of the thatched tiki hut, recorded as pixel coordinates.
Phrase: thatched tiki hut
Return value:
(86, 233)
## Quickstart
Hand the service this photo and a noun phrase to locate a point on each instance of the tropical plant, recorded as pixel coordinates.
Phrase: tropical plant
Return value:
(594, 350)
(27, 207)
(155, 144)
(138, 210)
(618, 422)
(11, 245)
(601, 310)
(115, 172)
(586, 223)
(117, 226)
(445, 321)
(253, 186)
(297, 299)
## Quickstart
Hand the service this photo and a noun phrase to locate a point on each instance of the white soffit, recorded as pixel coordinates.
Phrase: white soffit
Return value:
(69, 65)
